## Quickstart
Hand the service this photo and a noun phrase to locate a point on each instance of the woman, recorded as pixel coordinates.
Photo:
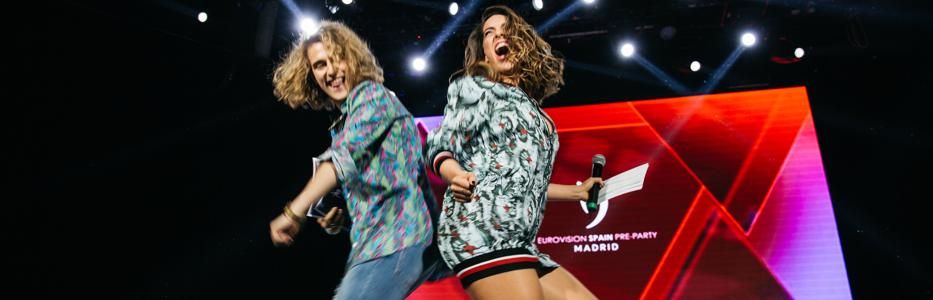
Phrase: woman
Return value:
(496, 148)
(374, 155)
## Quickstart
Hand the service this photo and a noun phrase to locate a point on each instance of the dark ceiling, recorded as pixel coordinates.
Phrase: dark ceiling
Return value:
(669, 34)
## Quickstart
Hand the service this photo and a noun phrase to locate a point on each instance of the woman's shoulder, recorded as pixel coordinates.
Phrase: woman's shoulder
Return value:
(472, 85)
(457, 84)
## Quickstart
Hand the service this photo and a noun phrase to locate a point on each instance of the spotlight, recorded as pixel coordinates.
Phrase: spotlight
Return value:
(589, 1)
(309, 26)
(695, 66)
(748, 39)
(627, 50)
(202, 17)
(798, 53)
(537, 4)
(347, 2)
(419, 64)
(453, 9)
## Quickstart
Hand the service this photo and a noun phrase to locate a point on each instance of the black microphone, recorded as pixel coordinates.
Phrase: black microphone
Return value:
(598, 162)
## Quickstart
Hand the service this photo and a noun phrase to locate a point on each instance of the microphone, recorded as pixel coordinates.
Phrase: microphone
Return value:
(599, 161)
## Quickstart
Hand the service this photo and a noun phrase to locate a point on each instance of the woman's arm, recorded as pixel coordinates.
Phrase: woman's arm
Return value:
(564, 192)
(461, 182)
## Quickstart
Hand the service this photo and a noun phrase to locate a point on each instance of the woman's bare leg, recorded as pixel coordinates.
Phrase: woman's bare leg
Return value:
(560, 284)
(517, 284)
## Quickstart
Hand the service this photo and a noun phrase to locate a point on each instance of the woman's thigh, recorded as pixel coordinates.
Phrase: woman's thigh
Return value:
(560, 284)
(516, 284)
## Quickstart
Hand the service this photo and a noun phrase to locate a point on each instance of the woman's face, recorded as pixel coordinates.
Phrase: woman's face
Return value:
(495, 44)
(328, 73)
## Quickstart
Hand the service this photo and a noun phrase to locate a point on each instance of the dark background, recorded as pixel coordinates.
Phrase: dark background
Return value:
(145, 153)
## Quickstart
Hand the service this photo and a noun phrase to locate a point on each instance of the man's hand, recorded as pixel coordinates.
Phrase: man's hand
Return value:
(332, 221)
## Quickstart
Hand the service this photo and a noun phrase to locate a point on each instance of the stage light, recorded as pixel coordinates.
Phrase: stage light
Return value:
(721, 71)
(309, 26)
(627, 50)
(449, 28)
(589, 1)
(560, 16)
(419, 64)
(453, 9)
(347, 2)
(798, 53)
(202, 17)
(695, 66)
(537, 4)
(749, 39)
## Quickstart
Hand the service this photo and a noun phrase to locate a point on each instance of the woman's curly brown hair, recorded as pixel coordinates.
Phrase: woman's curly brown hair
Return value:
(294, 82)
(537, 71)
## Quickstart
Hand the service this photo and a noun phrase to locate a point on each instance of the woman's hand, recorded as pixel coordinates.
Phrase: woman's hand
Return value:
(461, 182)
(332, 221)
(462, 186)
(283, 230)
(582, 191)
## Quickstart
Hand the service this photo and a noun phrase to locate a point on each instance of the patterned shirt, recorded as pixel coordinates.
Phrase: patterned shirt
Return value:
(506, 139)
(376, 151)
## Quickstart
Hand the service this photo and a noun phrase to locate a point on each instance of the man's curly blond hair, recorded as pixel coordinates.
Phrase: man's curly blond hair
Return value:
(294, 82)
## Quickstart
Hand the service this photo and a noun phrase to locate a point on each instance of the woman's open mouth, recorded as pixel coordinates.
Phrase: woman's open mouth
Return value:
(502, 50)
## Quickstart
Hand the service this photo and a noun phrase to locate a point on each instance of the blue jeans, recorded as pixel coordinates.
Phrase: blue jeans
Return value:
(389, 277)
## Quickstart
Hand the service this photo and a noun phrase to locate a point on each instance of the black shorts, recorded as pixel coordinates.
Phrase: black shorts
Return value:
(496, 262)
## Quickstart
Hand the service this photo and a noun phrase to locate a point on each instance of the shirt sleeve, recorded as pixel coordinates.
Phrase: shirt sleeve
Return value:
(371, 114)
(466, 112)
